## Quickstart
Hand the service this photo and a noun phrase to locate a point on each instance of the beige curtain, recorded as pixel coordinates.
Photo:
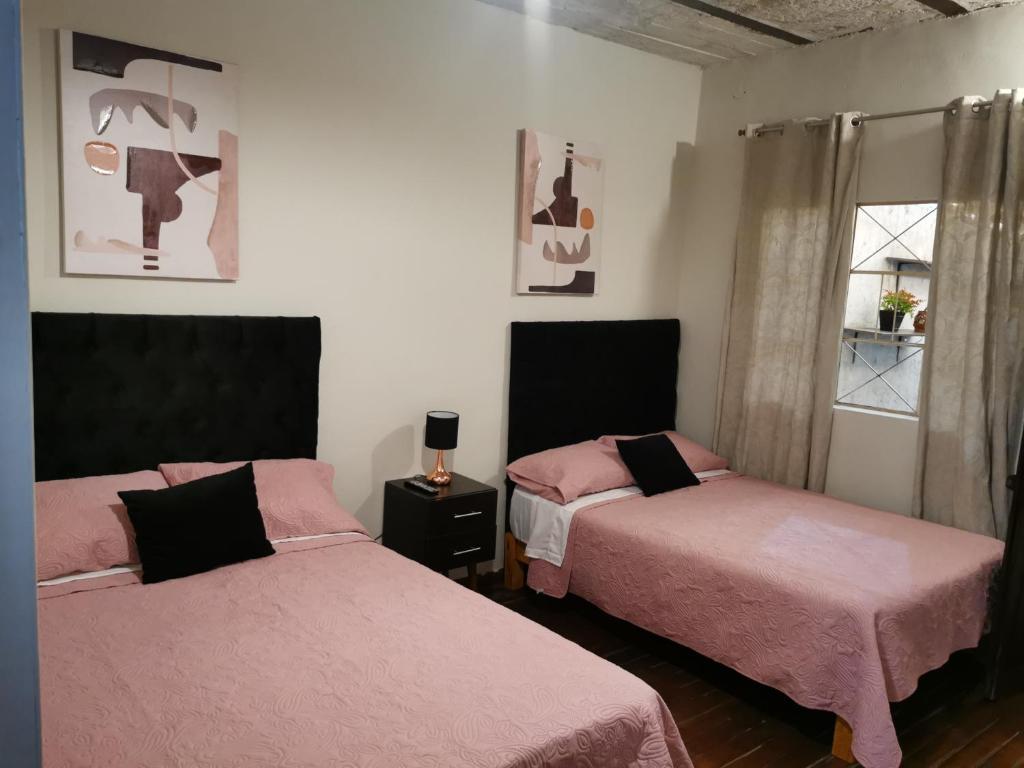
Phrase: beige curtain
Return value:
(973, 392)
(780, 350)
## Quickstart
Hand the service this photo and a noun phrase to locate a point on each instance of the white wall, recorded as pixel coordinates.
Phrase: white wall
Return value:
(921, 65)
(377, 191)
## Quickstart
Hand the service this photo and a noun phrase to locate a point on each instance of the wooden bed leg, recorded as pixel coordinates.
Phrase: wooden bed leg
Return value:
(515, 578)
(842, 741)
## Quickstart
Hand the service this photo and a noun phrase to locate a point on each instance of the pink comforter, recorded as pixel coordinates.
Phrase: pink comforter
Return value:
(339, 655)
(841, 607)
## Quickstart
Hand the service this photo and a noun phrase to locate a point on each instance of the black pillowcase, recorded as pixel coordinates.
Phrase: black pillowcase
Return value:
(197, 526)
(655, 464)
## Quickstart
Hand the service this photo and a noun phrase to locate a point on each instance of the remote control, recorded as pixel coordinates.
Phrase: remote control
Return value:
(422, 485)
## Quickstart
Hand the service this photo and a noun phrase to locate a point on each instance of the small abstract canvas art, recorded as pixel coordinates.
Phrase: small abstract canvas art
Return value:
(150, 161)
(558, 232)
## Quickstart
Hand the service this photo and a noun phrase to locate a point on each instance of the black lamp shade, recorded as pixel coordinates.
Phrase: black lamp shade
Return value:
(442, 432)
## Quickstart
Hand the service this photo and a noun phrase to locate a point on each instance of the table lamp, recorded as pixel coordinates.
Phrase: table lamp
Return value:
(441, 434)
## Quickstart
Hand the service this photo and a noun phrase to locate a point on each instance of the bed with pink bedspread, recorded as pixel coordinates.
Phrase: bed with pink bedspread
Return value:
(841, 607)
(332, 652)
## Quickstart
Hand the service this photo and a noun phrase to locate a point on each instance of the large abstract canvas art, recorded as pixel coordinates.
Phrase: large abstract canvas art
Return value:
(558, 233)
(150, 161)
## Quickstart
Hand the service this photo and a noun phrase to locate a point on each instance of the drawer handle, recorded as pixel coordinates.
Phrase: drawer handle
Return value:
(466, 551)
(466, 514)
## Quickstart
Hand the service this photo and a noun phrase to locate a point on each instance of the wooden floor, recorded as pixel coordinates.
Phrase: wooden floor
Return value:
(728, 720)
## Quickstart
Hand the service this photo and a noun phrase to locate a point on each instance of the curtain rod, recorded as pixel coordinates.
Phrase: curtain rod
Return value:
(779, 127)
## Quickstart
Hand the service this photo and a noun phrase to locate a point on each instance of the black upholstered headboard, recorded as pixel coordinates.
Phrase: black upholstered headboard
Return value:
(574, 381)
(120, 393)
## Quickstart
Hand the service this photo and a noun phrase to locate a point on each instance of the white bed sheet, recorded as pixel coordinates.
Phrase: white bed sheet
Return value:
(543, 525)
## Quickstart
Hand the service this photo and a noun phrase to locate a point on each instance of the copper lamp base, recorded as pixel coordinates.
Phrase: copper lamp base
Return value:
(440, 475)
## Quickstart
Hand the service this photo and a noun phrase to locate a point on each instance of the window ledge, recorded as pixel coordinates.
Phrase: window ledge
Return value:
(874, 412)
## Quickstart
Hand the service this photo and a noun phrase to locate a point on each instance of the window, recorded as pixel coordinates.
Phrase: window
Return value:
(884, 330)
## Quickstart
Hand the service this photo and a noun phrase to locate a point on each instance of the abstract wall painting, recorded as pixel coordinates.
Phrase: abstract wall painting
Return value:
(150, 161)
(558, 233)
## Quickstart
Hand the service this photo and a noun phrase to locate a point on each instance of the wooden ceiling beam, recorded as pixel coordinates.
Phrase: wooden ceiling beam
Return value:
(753, 24)
(947, 7)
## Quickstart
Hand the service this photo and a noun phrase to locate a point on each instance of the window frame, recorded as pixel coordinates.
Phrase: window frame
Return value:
(845, 342)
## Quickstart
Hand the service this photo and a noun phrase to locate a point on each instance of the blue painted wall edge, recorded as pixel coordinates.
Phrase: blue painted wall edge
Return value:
(19, 665)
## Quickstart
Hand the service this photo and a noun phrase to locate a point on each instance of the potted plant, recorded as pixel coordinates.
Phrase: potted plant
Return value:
(895, 306)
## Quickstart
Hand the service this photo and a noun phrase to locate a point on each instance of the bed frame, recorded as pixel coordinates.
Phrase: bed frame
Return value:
(574, 381)
(122, 393)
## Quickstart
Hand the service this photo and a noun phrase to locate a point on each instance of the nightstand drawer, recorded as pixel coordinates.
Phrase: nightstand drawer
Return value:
(464, 513)
(446, 552)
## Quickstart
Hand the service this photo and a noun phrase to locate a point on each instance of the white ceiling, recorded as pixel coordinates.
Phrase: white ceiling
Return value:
(674, 29)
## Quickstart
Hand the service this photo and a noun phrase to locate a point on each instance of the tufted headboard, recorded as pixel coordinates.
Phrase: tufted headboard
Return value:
(573, 381)
(120, 393)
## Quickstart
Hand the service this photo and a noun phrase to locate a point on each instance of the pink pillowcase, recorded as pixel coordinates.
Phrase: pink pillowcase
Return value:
(81, 524)
(696, 456)
(296, 496)
(564, 474)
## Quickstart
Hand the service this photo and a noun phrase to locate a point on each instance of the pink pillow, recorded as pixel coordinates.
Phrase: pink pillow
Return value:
(696, 456)
(296, 496)
(81, 524)
(564, 474)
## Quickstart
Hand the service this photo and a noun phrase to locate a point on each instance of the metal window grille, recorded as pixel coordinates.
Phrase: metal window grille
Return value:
(880, 356)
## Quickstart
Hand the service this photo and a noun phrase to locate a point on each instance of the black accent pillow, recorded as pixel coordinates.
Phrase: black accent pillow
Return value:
(656, 465)
(197, 526)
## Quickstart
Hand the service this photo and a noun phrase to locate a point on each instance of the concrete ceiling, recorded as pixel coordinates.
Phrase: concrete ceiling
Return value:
(706, 32)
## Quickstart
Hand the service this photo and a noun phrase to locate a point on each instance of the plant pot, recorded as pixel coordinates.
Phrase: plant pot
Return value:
(890, 319)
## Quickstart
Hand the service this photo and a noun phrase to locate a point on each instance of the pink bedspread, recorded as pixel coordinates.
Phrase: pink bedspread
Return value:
(841, 607)
(338, 655)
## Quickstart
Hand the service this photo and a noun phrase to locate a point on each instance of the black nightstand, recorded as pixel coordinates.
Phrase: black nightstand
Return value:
(456, 527)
